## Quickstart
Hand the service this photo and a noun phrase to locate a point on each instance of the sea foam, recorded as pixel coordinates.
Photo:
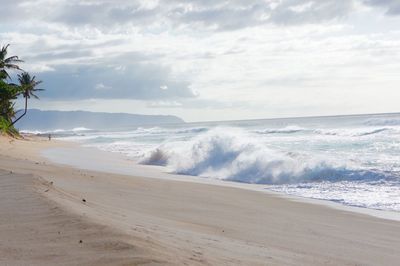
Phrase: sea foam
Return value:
(236, 155)
(351, 160)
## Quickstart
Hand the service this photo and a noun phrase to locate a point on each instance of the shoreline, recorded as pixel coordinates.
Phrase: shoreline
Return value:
(204, 223)
(120, 164)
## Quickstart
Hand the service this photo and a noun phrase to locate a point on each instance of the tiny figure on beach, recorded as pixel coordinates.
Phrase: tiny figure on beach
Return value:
(49, 137)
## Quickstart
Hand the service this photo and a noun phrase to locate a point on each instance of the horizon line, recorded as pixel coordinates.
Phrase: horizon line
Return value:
(233, 120)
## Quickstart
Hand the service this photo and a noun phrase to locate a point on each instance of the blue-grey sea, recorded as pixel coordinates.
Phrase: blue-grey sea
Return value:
(353, 160)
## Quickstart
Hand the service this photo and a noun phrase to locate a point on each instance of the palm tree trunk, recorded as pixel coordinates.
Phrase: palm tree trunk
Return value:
(26, 109)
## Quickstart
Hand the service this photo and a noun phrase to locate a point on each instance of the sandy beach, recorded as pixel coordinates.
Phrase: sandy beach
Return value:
(53, 213)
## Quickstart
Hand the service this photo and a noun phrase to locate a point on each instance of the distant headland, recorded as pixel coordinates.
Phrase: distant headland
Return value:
(50, 120)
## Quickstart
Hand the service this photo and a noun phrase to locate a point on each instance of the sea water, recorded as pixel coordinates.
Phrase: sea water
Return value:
(353, 160)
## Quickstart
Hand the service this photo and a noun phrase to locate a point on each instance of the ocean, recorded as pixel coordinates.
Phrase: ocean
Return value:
(352, 160)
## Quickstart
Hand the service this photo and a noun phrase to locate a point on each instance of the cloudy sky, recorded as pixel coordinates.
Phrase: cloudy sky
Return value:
(210, 59)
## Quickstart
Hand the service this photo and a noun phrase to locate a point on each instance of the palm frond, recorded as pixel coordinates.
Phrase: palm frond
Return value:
(5, 74)
(28, 84)
(13, 59)
(12, 66)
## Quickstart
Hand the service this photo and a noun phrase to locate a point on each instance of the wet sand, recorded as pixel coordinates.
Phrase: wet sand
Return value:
(128, 219)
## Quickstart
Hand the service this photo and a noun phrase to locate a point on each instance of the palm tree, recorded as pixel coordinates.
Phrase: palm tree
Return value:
(8, 93)
(7, 62)
(28, 85)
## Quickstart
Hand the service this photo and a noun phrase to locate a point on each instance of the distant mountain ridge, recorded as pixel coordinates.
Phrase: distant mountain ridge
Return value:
(50, 120)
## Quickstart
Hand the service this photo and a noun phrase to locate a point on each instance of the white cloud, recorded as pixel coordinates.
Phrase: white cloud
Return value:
(211, 59)
(101, 86)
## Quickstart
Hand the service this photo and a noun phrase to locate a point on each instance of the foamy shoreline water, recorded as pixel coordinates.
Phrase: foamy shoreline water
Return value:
(89, 158)
(226, 222)
(353, 161)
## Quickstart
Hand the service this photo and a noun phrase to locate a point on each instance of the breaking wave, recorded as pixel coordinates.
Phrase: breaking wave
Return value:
(345, 132)
(359, 132)
(56, 131)
(233, 154)
(160, 130)
(285, 130)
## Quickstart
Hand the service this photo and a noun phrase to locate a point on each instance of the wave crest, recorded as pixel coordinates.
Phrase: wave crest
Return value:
(57, 131)
(344, 132)
(285, 130)
(232, 154)
(358, 132)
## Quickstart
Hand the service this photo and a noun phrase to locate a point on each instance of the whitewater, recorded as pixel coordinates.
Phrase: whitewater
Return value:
(352, 160)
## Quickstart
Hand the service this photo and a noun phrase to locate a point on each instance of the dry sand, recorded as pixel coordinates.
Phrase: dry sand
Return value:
(132, 220)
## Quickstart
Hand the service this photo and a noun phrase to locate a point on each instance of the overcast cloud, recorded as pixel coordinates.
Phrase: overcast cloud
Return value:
(210, 59)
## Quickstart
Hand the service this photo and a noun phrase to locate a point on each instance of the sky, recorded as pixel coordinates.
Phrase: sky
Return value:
(206, 60)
